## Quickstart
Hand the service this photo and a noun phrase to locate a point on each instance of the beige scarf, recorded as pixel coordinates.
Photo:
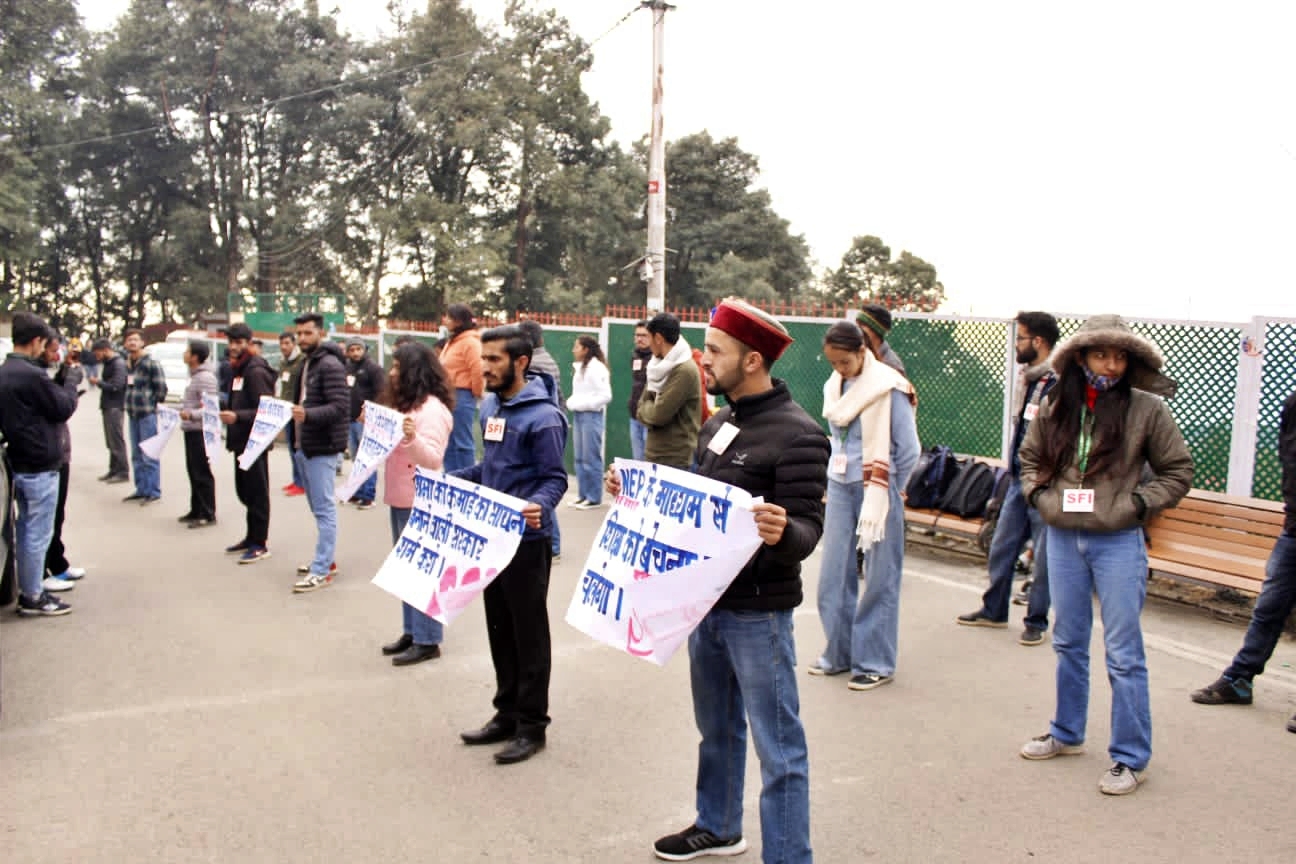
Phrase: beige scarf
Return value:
(869, 399)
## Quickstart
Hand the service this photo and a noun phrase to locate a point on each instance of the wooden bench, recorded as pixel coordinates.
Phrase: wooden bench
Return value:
(1216, 539)
(932, 522)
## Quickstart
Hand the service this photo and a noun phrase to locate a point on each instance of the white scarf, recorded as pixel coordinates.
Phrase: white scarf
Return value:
(660, 367)
(869, 399)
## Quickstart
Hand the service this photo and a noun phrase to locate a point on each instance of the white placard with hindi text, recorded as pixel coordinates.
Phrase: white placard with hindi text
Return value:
(670, 545)
(211, 426)
(382, 432)
(168, 420)
(458, 537)
(272, 415)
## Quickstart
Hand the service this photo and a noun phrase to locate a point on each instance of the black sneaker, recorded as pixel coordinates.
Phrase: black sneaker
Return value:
(1032, 636)
(201, 522)
(45, 604)
(188, 517)
(693, 842)
(1291, 724)
(1225, 691)
(238, 548)
(980, 619)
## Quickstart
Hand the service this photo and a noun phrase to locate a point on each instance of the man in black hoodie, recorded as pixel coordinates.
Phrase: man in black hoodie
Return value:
(31, 408)
(322, 415)
(366, 379)
(112, 403)
(250, 378)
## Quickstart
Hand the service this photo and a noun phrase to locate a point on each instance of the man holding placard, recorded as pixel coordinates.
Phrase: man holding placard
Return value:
(741, 656)
(202, 485)
(250, 378)
(321, 412)
(524, 435)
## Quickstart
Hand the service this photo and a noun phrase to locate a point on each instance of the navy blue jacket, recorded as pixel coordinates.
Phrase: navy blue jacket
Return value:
(32, 408)
(528, 463)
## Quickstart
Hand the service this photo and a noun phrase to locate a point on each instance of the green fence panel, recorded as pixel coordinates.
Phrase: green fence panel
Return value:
(957, 368)
(1278, 381)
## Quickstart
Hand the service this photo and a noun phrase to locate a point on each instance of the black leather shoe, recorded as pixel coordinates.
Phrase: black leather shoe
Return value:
(492, 733)
(519, 749)
(416, 654)
(1291, 724)
(405, 641)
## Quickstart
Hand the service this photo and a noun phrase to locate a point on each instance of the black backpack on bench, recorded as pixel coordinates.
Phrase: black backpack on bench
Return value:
(970, 490)
(931, 477)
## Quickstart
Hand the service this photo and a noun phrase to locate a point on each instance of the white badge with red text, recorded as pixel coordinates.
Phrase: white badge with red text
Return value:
(284, 377)
(637, 364)
(1077, 501)
(350, 380)
(494, 429)
(130, 380)
(721, 440)
(838, 465)
(237, 385)
(1031, 410)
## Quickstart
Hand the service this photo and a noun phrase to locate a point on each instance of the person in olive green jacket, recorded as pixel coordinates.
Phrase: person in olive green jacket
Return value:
(1103, 456)
(671, 405)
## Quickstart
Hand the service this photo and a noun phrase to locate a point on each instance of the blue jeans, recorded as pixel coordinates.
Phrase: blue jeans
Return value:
(1115, 566)
(863, 633)
(743, 670)
(461, 452)
(588, 444)
(36, 497)
(148, 472)
(638, 439)
(1018, 522)
(424, 629)
(369, 489)
(320, 473)
(555, 537)
(1273, 606)
(294, 456)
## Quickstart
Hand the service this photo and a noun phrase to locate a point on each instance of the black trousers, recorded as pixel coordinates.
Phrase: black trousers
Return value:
(115, 437)
(253, 488)
(202, 485)
(56, 556)
(517, 624)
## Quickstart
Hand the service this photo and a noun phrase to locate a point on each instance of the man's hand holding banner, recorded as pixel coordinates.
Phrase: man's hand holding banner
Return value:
(458, 537)
(668, 548)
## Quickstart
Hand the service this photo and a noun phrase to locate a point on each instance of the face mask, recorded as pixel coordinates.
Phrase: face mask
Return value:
(1101, 383)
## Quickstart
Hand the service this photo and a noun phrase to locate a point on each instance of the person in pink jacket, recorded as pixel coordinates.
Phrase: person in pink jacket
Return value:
(419, 390)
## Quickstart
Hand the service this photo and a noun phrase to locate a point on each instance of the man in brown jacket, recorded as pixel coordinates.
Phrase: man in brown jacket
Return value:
(671, 405)
(462, 359)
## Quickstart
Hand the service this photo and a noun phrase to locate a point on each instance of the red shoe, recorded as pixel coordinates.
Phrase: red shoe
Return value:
(292, 490)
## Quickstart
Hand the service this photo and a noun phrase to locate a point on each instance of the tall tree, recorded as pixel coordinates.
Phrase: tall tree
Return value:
(868, 275)
(714, 213)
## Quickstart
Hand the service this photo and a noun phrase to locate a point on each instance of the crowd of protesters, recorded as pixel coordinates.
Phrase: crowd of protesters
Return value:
(1094, 453)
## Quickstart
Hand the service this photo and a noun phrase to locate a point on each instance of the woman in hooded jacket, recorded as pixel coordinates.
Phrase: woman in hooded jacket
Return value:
(1103, 456)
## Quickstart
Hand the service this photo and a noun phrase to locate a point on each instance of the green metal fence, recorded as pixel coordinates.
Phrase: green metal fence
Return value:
(962, 370)
(1277, 383)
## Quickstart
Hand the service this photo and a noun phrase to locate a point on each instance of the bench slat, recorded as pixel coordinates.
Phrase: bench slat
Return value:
(1209, 559)
(1215, 539)
(1201, 574)
(1239, 523)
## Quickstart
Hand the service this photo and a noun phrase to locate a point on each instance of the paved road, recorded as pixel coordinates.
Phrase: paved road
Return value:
(192, 710)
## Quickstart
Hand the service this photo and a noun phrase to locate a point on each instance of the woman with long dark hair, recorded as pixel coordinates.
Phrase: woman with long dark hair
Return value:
(1102, 457)
(874, 449)
(418, 389)
(591, 392)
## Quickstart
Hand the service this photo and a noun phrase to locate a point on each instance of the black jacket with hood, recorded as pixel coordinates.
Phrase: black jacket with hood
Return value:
(322, 390)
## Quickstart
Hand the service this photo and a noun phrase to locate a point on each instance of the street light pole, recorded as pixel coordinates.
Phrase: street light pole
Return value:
(653, 269)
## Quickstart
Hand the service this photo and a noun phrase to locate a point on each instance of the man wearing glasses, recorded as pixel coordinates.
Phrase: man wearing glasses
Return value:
(1037, 333)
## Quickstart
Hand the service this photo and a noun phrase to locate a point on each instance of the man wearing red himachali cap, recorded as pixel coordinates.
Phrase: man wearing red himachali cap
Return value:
(742, 657)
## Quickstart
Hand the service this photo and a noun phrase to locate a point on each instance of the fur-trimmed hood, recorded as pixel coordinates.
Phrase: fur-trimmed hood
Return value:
(1145, 359)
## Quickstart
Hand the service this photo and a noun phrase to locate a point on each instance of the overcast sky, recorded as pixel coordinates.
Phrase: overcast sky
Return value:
(1136, 157)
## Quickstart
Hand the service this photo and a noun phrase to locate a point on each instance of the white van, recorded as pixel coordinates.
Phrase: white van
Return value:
(171, 355)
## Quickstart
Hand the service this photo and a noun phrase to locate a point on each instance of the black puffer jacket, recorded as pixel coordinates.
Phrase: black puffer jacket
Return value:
(322, 390)
(782, 455)
(249, 381)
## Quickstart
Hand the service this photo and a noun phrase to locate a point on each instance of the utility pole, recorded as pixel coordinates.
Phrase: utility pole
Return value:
(653, 268)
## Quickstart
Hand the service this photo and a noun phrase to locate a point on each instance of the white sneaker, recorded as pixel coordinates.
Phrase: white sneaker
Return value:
(73, 573)
(1046, 747)
(311, 582)
(54, 583)
(1120, 779)
(576, 502)
(586, 505)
